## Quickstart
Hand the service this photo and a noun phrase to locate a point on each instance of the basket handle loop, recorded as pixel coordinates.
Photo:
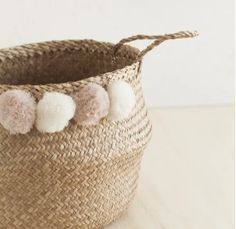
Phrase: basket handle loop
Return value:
(157, 40)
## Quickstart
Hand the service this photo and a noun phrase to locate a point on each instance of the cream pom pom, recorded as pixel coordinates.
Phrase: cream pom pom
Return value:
(122, 99)
(92, 104)
(17, 111)
(54, 111)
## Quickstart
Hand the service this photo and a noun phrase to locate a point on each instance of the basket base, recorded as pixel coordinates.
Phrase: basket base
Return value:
(84, 196)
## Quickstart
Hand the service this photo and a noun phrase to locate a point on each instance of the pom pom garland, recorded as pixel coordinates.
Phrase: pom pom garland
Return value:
(17, 111)
(92, 104)
(122, 100)
(54, 111)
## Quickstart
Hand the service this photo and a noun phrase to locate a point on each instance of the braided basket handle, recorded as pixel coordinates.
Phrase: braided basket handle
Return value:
(157, 40)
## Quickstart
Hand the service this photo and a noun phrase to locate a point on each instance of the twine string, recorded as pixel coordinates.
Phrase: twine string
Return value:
(158, 39)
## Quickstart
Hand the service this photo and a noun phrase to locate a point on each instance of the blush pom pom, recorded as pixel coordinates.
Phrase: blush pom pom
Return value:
(122, 99)
(17, 111)
(54, 111)
(92, 104)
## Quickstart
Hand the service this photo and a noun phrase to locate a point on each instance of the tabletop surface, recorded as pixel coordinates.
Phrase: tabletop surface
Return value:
(186, 179)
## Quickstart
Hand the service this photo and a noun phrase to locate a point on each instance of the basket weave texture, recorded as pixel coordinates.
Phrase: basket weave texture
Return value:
(82, 177)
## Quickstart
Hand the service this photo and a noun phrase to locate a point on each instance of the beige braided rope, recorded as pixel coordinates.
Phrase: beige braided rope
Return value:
(82, 177)
(157, 40)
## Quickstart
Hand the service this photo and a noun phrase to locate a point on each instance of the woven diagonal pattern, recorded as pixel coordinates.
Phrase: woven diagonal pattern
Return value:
(82, 177)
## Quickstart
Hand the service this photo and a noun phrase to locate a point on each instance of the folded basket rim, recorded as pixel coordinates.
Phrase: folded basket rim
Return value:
(31, 51)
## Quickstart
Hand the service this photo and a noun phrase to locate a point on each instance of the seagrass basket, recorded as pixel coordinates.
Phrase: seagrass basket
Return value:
(83, 176)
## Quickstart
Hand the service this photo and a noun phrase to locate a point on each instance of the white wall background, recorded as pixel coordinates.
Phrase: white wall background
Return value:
(181, 72)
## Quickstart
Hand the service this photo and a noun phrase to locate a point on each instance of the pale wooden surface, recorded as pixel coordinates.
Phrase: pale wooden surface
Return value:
(186, 180)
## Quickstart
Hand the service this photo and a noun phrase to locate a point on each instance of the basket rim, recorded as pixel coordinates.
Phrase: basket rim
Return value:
(37, 49)
(87, 79)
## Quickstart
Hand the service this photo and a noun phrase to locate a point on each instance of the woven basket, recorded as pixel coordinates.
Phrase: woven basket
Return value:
(82, 177)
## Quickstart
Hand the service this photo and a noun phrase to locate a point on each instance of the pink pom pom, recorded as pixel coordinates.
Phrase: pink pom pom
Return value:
(92, 104)
(17, 111)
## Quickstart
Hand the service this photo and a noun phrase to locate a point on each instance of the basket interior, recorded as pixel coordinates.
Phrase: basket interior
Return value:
(61, 61)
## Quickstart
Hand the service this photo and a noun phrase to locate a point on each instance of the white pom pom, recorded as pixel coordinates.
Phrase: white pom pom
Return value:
(122, 100)
(54, 111)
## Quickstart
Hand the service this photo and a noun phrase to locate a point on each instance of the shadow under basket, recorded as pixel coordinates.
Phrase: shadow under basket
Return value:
(81, 177)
